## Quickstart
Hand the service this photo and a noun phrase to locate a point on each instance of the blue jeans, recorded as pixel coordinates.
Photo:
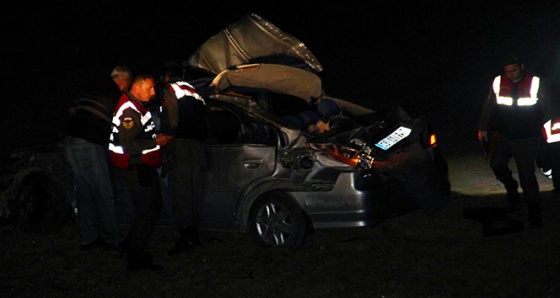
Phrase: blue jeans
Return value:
(94, 191)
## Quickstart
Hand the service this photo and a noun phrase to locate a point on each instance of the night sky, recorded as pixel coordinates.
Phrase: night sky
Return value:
(436, 57)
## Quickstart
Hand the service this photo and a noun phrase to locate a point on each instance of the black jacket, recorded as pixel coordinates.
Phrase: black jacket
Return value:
(91, 114)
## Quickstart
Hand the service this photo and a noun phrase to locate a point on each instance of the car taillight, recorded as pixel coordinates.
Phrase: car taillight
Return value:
(345, 155)
(432, 141)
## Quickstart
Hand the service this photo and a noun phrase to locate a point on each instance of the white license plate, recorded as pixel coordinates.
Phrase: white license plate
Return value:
(396, 136)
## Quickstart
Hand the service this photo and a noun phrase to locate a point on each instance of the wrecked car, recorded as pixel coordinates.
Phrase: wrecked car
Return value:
(272, 178)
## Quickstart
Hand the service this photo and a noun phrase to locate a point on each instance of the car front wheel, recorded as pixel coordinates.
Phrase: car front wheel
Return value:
(40, 204)
(276, 221)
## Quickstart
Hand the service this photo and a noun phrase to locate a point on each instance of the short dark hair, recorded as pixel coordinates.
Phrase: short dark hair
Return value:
(511, 58)
(142, 76)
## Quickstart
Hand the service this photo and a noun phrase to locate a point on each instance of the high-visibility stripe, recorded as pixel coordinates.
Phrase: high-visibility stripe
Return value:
(117, 122)
(552, 131)
(521, 101)
(182, 89)
(506, 101)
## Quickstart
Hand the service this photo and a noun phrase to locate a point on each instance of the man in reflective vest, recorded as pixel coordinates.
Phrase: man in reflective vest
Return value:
(134, 147)
(184, 117)
(512, 118)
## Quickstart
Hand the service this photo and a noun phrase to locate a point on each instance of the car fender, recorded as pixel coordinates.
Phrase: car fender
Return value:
(259, 188)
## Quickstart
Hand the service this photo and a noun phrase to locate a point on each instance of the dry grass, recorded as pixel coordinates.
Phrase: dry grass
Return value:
(409, 256)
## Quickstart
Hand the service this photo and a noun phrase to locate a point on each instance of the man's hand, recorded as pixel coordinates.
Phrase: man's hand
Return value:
(162, 139)
(482, 136)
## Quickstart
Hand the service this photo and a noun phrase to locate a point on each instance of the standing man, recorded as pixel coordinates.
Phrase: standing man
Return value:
(185, 118)
(512, 118)
(134, 147)
(86, 141)
(124, 207)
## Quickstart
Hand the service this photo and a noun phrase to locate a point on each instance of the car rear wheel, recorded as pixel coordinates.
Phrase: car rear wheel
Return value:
(276, 221)
(40, 204)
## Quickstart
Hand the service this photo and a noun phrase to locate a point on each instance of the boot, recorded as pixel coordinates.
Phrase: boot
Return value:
(138, 261)
(514, 208)
(535, 218)
(513, 196)
(185, 242)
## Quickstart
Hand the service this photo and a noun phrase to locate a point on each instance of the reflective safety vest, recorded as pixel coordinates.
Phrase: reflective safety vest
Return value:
(518, 112)
(118, 157)
(191, 122)
(182, 89)
(528, 91)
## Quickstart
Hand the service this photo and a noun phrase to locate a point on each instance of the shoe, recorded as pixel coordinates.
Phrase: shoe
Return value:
(98, 243)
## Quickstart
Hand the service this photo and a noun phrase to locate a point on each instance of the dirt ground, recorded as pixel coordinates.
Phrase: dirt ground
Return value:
(409, 256)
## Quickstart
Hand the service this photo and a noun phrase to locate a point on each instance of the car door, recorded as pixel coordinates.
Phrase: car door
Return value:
(233, 161)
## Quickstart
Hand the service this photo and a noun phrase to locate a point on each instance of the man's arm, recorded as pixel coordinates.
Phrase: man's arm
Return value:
(171, 110)
(486, 115)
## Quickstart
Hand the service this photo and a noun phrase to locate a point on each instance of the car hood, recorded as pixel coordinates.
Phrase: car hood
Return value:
(248, 40)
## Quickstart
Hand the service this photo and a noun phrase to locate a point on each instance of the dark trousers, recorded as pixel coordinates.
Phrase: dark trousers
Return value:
(144, 189)
(524, 152)
(186, 164)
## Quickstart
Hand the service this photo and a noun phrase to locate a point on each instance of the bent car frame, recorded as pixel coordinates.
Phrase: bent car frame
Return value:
(278, 182)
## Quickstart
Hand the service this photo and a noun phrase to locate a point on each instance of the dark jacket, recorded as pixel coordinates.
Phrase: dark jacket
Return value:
(184, 112)
(90, 115)
(132, 140)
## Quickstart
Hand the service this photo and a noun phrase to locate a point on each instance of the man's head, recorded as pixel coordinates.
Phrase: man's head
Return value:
(143, 87)
(122, 77)
(513, 67)
(172, 72)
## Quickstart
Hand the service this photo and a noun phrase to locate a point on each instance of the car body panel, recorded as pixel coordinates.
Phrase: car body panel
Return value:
(250, 38)
(222, 189)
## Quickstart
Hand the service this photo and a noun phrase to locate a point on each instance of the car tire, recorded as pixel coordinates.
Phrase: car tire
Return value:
(39, 205)
(275, 220)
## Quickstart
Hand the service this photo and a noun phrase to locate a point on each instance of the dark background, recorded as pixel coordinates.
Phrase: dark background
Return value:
(434, 57)
(438, 58)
